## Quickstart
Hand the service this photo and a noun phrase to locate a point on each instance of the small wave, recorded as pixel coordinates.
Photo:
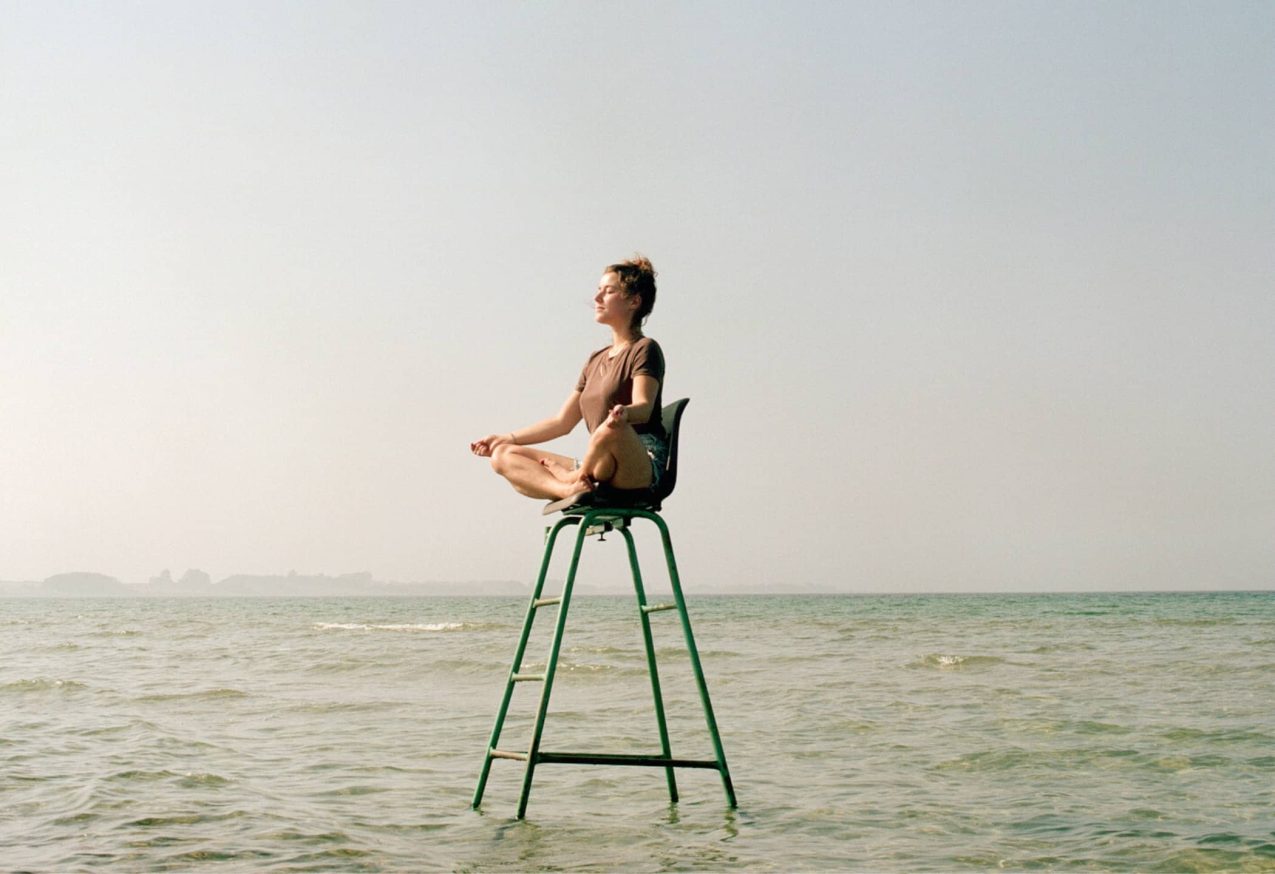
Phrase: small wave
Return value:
(314, 837)
(947, 662)
(1011, 758)
(179, 819)
(1224, 736)
(1093, 726)
(471, 665)
(352, 791)
(182, 861)
(189, 779)
(397, 626)
(586, 668)
(1177, 763)
(1223, 838)
(565, 666)
(205, 694)
(198, 779)
(599, 650)
(1217, 858)
(1051, 648)
(141, 776)
(43, 684)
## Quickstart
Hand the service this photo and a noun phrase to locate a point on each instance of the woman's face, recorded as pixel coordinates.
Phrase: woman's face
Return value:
(610, 305)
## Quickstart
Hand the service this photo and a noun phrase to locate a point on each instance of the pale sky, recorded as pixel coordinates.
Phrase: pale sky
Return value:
(966, 296)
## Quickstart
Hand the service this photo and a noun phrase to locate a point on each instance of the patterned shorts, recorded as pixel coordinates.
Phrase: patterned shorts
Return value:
(657, 449)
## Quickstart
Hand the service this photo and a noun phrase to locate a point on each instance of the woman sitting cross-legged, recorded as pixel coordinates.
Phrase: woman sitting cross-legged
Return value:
(618, 395)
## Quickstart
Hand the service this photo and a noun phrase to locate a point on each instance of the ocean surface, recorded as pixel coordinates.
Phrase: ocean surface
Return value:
(1118, 732)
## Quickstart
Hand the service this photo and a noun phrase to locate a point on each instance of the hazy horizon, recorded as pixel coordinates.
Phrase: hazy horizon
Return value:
(966, 297)
(90, 584)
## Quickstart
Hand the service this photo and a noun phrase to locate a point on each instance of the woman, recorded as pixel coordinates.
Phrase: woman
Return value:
(618, 395)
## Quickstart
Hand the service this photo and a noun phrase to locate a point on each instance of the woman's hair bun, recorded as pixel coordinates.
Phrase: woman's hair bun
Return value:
(637, 276)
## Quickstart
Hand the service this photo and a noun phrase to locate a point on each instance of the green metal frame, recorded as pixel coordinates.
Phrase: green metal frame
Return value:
(590, 521)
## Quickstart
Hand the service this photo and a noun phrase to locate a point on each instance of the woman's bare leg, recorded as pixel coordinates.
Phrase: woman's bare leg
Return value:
(617, 457)
(527, 472)
(562, 471)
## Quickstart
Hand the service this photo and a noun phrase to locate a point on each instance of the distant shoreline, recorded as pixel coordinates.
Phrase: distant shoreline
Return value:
(362, 585)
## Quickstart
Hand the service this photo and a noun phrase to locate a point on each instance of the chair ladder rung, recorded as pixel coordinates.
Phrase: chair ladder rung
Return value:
(656, 608)
(508, 754)
(546, 602)
(652, 761)
(527, 678)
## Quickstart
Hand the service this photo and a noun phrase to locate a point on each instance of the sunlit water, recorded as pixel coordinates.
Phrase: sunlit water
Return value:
(1095, 732)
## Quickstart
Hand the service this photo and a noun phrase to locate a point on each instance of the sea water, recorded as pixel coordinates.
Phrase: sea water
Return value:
(887, 733)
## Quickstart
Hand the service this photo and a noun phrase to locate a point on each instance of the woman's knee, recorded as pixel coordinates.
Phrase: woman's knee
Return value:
(501, 457)
(603, 437)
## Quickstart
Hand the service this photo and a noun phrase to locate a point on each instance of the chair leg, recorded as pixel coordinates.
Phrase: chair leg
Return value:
(555, 646)
(597, 520)
(640, 591)
(695, 662)
(516, 666)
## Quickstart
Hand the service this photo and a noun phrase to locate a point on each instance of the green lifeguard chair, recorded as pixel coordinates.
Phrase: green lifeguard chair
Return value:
(597, 513)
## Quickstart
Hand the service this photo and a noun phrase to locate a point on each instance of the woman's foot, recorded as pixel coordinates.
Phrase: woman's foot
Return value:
(576, 484)
(561, 473)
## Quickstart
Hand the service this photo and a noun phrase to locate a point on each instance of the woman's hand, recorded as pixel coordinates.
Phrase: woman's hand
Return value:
(488, 444)
(618, 417)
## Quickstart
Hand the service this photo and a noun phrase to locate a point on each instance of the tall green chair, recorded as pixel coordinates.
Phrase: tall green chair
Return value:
(598, 513)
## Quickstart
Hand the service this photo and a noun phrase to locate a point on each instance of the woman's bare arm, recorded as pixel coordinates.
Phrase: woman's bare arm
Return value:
(546, 429)
(645, 388)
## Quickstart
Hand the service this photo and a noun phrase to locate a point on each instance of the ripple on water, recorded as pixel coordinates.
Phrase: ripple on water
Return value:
(183, 861)
(393, 626)
(217, 694)
(42, 684)
(1225, 736)
(184, 819)
(1013, 758)
(1090, 726)
(141, 776)
(913, 747)
(947, 662)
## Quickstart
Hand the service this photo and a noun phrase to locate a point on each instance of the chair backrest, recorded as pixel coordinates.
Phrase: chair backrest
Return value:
(642, 499)
(672, 418)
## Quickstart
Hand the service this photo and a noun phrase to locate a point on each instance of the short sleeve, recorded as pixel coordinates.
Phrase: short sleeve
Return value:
(584, 372)
(648, 360)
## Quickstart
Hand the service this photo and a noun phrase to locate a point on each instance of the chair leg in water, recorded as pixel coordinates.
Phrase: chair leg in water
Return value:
(589, 521)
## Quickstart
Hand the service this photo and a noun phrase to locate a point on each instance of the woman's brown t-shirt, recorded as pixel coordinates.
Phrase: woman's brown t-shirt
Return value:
(605, 382)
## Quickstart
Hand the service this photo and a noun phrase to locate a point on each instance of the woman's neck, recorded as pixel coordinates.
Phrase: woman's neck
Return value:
(625, 336)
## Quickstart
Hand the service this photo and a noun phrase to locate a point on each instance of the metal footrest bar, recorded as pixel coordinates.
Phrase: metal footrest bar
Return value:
(656, 608)
(526, 678)
(626, 759)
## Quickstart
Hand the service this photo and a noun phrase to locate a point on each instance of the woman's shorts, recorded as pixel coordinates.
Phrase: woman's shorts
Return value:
(657, 449)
